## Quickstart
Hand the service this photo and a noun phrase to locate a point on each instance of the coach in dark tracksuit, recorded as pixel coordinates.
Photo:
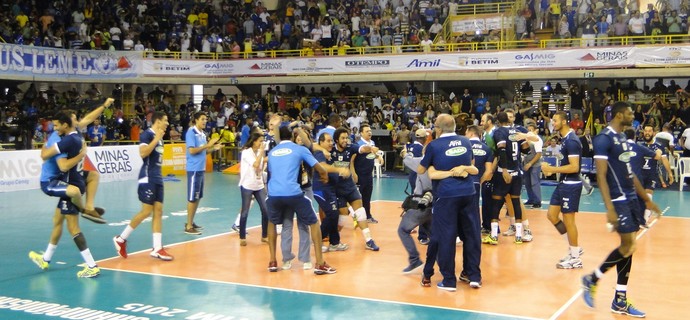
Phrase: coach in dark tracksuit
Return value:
(449, 162)
(364, 168)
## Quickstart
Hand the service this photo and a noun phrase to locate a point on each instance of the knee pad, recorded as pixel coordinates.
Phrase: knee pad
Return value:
(342, 220)
(360, 214)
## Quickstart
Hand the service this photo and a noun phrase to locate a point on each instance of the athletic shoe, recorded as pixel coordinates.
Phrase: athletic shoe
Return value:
(485, 231)
(372, 220)
(463, 277)
(161, 254)
(198, 227)
(568, 256)
(324, 249)
(324, 269)
(527, 236)
(192, 231)
(589, 290)
(589, 191)
(264, 240)
(307, 266)
(413, 266)
(235, 228)
(476, 284)
(573, 263)
(93, 216)
(287, 265)
(424, 242)
(626, 308)
(426, 281)
(371, 245)
(243, 242)
(488, 239)
(89, 272)
(37, 258)
(120, 247)
(536, 206)
(442, 287)
(510, 232)
(273, 266)
(518, 239)
(338, 247)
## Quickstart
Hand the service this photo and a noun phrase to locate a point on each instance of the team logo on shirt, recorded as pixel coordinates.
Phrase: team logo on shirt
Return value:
(512, 137)
(371, 156)
(625, 156)
(479, 152)
(457, 151)
(281, 152)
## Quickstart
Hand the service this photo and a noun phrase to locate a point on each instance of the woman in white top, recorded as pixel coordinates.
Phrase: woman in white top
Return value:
(251, 183)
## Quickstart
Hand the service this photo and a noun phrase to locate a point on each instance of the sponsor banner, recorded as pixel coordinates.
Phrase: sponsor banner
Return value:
(21, 170)
(662, 56)
(546, 59)
(213, 68)
(51, 62)
(479, 22)
(175, 160)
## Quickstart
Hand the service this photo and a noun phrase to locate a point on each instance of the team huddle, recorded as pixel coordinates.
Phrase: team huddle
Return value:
(284, 170)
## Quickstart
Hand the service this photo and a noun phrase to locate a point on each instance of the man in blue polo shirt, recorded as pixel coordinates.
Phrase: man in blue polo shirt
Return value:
(619, 191)
(285, 196)
(449, 160)
(197, 146)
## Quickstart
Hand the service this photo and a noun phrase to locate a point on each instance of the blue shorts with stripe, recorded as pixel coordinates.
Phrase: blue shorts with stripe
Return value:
(567, 196)
(629, 215)
(649, 179)
(279, 207)
(150, 193)
(327, 200)
(55, 188)
(195, 185)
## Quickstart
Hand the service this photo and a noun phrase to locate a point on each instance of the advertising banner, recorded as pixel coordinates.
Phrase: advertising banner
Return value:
(50, 62)
(662, 56)
(479, 22)
(175, 160)
(213, 68)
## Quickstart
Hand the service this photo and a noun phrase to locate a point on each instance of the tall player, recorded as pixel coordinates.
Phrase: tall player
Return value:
(566, 196)
(150, 189)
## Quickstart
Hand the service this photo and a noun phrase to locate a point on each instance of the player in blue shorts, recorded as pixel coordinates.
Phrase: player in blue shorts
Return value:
(566, 197)
(619, 190)
(61, 177)
(150, 189)
(651, 177)
(197, 146)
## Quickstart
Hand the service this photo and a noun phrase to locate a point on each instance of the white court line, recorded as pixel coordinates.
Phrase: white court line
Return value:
(324, 294)
(579, 292)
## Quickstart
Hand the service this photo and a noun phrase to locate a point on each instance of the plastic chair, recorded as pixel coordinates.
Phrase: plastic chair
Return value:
(586, 165)
(673, 162)
(553, 161)
(684, 171)
(378, 164)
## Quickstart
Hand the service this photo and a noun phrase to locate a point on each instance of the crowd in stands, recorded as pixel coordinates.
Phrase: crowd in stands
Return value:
(24, 115)
(234, 27)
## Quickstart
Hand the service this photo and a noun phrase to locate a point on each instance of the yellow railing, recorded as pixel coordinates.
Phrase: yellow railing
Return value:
(453, 46)
(472, 9)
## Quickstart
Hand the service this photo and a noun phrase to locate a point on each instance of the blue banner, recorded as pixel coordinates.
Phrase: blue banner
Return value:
(51, 62)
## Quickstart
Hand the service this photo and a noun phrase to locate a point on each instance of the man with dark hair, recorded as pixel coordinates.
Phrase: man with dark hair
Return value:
(195, 139)
(566, 197)
(532, 168)
(285, 196)
(619, 190)
(650, 169)
(150, 189)
(334, 122)
(448, 160)
(364, 169)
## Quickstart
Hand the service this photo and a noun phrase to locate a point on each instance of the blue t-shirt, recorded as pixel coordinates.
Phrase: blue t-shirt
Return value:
(446, 153)
(332, 177)
(71, 145)
(50, 169)
(364, 162)
(151, 169)
(505, 136)
(98, 133)
(613, 147)
(194, 139)
(415, 149)
(482, 154)
(283, 166)
(570, 147)
(651, 165)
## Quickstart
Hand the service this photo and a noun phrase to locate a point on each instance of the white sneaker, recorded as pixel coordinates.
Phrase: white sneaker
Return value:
(572, 263)
(287, 265)
(338, 247)
(307, 266)
(568, 256)
(510, 232)
(527, 236)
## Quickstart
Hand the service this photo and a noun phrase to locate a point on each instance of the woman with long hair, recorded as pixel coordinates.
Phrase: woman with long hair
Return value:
(253, 160)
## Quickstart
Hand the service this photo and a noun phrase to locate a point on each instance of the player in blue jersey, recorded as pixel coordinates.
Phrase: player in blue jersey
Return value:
(651, 176)
(346, 189)
(619, 190)
(566, 197)
(449, 160)
(285, 196)
(364, 169)
(197, 146)
(67, 183)
(483, 160)
(640, 155)
(508, 181)
(150, 189)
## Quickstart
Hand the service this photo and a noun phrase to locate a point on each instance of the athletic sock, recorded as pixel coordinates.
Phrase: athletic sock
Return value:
(494, 229)
(157, 241)
(126, 233)
(621, 293)
(575, 252)
(50, 250)
(518, 229)
(366, 234)
(88, 258)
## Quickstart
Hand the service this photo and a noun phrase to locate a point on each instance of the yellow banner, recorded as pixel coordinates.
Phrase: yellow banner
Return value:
(175, 160)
